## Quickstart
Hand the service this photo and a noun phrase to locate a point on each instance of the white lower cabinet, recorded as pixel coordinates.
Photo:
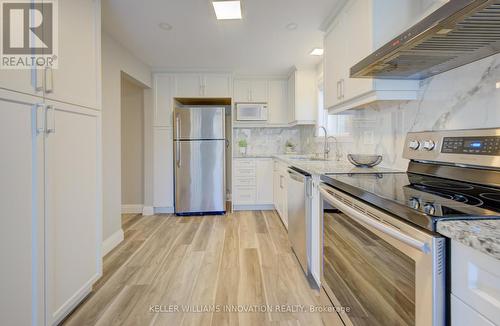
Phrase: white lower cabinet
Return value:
(252, 183)
(163, 168)
(280, 178)
(475, 287)
(21, 199)
(72, 206)
(51, 208)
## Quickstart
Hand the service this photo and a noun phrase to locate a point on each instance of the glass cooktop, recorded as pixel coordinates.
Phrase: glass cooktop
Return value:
(422, 200)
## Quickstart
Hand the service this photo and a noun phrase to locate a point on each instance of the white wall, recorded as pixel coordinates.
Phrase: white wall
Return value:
(115, 60)
(132, 124)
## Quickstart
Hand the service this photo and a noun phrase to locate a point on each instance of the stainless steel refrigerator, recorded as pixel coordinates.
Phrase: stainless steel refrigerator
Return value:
(199, 160)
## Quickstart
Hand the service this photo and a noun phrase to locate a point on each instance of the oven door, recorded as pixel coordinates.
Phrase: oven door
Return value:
(378, 270)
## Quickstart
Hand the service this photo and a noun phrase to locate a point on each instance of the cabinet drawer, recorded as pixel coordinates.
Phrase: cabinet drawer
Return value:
(245, 181)
(244, 172)
(463, 315)
(244, 195)
(244, 163)
(475, 279)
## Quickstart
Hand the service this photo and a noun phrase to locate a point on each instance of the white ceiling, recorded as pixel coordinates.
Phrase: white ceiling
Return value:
(258, 44)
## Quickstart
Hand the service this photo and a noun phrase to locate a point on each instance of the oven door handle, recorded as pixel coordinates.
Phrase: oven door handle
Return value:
(360, 217)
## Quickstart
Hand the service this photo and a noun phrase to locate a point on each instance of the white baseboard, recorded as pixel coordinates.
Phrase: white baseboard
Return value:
(132, 209)
(269, 207)
(112, 241)
(148, 210)
(164, 210)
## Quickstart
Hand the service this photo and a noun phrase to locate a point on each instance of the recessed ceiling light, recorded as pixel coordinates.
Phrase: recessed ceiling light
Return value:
(317, 51)
(291, 26)
(165, 26)
(227, 9)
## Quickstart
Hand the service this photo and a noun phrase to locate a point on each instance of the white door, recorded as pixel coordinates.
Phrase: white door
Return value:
(188, 85)
(163, 97)
(76, 78)
(73, 218)
(217, 85)
(264, 173)
(241, 91)
(358, 22)
(334, 57)
(28, 81)
(163, 168)
(278, 92)
(21, 199)
(259, 92)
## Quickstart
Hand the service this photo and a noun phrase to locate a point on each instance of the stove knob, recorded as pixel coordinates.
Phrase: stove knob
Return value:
(429, 145)
(414, 144)
(429, 209)
(414, 203)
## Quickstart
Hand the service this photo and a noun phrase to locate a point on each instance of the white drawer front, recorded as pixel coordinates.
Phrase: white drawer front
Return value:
(244, 163)
(463, 315)
(245, 181)
(244, 195)
(245, 172)
(475, 279)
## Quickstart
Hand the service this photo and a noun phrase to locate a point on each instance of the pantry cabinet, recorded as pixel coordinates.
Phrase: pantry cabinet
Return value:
(76, 78)
(163, 93)
(72, 206)
(360, 28)
(51, 194)
(22, 193)
(163, 168)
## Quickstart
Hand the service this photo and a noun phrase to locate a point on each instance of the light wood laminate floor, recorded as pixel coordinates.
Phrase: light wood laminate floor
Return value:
(238, 261)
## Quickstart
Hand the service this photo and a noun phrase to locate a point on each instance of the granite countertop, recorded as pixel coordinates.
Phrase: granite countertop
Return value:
(236, 157)
(331, 166)
(482, 235)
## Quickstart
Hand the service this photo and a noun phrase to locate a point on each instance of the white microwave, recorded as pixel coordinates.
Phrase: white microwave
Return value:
(251, 112)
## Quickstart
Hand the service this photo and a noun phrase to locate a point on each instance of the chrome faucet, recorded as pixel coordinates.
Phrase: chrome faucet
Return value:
(338, 155)
(326, 146)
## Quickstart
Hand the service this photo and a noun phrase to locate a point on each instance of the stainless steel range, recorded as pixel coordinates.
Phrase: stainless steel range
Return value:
(382, 259)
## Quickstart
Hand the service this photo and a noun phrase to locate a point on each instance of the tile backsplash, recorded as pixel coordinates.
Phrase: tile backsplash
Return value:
(463, 98)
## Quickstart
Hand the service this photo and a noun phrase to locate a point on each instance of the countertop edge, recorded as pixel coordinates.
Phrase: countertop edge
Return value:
(481, 235)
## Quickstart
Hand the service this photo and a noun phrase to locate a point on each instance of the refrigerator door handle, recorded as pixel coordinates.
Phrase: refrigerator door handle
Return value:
(178, 154)
(177, 126)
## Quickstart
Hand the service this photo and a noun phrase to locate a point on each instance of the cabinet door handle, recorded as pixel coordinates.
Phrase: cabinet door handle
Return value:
(342, 88)
(40, 118)
(37, 80)
(49, 80)
(338, 90)
(52, 128)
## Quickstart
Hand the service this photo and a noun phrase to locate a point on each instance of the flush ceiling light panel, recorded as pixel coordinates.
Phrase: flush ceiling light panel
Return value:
(227, 9)
(317, 52)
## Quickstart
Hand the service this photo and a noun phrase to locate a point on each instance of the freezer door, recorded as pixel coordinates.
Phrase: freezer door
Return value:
(199, 123)
(200, 176)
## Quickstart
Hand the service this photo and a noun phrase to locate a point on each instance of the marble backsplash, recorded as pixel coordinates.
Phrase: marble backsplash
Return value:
(463, 98)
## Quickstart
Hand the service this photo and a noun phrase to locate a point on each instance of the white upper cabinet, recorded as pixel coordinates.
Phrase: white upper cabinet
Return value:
(75, 80)
(188, 85)
(360, 28)
(202, 85)
(163, 90)
(217, 85)
(278, 101)
(28, 81)
(251, 90)
(302, 96)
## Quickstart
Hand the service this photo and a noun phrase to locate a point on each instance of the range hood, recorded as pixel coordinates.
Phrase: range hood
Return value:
(459, 32)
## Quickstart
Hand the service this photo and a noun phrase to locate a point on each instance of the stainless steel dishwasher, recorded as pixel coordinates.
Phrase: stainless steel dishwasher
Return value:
(299, 210)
